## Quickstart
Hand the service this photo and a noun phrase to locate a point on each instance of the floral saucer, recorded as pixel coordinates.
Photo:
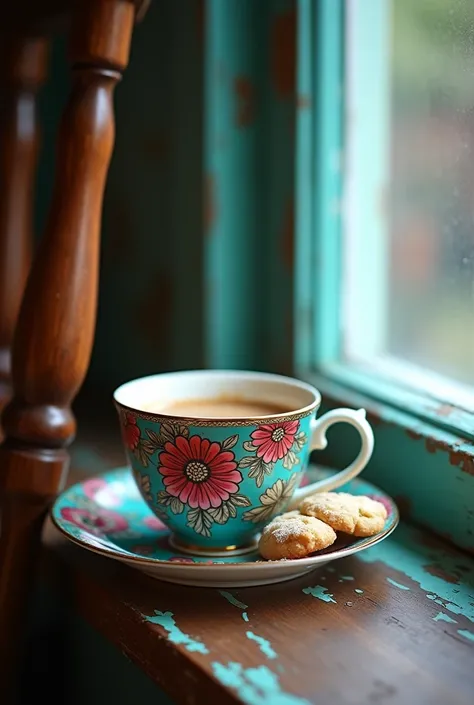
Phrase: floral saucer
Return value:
(107, 515)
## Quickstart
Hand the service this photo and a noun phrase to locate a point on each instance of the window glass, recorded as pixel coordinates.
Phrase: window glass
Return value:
(408, 210)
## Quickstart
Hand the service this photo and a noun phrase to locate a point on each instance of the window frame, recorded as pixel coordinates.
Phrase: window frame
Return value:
(417, 436)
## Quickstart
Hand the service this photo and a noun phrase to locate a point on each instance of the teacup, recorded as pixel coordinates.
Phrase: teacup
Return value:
(216, 481)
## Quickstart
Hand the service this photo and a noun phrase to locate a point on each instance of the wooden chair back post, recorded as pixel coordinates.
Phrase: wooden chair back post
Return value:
(55, 329)
(22, 72)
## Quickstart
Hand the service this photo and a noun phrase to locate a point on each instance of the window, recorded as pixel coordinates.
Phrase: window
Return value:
(384, 313)
(409, 178)
(406, 172)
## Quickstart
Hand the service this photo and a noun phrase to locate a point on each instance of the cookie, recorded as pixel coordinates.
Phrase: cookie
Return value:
(356, 515)
(293, 535)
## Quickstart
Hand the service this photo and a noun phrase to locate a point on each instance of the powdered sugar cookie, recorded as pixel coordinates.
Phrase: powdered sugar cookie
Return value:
(352, 514)
(293, 535)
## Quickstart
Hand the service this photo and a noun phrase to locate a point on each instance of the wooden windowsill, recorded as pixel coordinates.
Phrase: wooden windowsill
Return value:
(343, 646)
(395, 624)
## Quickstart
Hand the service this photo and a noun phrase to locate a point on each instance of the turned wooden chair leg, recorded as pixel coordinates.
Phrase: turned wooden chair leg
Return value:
(22, 71)
(55, 329)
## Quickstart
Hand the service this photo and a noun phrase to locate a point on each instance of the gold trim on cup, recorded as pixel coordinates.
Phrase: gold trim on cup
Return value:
(213, 552)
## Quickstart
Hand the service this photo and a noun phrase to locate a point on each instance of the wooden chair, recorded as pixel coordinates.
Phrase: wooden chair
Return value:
(49, 324)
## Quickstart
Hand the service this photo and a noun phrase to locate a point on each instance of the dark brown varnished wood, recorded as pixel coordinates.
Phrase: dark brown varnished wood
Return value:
(54, 334)
(39, 17)
(22, 71)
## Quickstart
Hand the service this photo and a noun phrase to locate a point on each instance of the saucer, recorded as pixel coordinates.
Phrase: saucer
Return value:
(107, 515)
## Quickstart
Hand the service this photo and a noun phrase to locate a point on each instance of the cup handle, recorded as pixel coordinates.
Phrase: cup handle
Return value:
(319, 442)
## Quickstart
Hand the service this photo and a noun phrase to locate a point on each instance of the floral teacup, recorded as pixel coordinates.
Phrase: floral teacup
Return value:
(215, 482)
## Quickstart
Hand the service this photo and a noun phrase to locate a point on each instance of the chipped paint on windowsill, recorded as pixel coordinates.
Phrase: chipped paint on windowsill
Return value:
(414, 560)
(422, 575)
(255, 686)
(428, 469)
(175, 634)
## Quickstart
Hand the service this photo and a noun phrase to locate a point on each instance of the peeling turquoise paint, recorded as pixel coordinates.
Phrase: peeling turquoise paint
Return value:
(466, 634)
(403, 445)
(447, 605)
(398, 585)
(408, 555)
(320, 593)
(237, 603)
(253, 222)
(233, 600)
(166, 620)
(255, 686)
(441, 617)
(359, 591)
(264, 645)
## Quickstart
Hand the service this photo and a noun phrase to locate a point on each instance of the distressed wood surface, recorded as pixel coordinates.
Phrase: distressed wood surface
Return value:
(394, 625)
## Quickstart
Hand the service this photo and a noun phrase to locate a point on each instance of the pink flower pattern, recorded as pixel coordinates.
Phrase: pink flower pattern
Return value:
(92, 486)
(198, 472)
(95, 485)
(274, 440)
(130, 431)
(98, 523)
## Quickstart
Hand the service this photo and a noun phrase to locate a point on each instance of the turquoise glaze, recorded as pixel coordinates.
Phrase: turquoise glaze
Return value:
(217, 485)
(107, 514)
(215, 482)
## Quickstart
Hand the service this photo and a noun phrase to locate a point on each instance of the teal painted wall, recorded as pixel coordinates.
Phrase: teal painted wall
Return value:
(150, 308)
(150, 313)
(198, 233)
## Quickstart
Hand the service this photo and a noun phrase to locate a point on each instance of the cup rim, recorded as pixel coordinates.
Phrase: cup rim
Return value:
(300, 412)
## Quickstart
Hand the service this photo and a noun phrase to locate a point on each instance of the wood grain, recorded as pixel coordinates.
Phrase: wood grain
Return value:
(382, 645)
(355, 631)
(22, 72)
(35, 18)
(55, 329)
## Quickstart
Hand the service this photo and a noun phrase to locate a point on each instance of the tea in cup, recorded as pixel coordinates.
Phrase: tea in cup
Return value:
(216, 454)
